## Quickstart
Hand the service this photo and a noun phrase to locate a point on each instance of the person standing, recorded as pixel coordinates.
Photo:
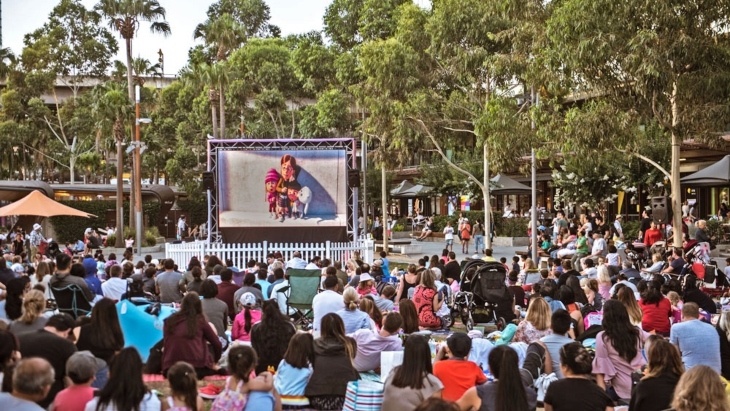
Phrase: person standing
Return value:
(449, 236)
(465, 231)
(477, 232)
(181, 227)
(36, 238)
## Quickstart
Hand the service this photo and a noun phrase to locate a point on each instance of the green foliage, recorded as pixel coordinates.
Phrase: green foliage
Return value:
(197, 209)
(631, 229)
(715, 229)
(72, 228)
(150, 236)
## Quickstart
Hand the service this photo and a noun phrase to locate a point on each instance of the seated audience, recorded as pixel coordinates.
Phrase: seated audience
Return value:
(507, 392)
(270, 337)
(215, 310)
(454, 370)
(328, 301)
(32, 319)
(115, 287)
(102, 336)
(245, 320)
(332, 367)
(353, 318)
(696, 340)
(558, 338)
(536, 324)
(183, 388)
(370, 344)
(81, 369)
(125, 389)
(576, 391)
(32, 381)
(186, 336)
(655, 390)
(408, 384)
(294, 371)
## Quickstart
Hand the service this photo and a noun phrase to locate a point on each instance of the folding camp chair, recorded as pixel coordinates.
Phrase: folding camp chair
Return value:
(303, 286)
(71, 300)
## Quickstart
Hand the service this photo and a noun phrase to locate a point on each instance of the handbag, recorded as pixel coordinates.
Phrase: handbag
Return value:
(363, 395)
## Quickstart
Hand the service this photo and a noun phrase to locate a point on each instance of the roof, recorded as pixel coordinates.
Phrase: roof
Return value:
(38, 204)
(713, 175)
(509, 186)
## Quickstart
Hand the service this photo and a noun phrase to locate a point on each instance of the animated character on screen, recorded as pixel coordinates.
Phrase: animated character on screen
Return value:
(293, 189)
(289, 172)
(282, 205)
(305, 197)
(270, 182)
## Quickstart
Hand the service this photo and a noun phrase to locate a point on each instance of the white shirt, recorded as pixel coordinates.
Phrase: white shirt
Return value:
(181, 224)
(150, 402)
(326, 302)
(619, 230)
(296, 262)
(114, 288)
(449, 233)
(311, 266)
(599, 247)
(281, 297)
(216, 279)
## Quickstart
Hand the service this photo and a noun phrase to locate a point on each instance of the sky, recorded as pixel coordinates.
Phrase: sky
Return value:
(292, 16)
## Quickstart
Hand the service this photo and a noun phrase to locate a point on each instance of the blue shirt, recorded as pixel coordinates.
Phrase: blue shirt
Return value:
(355, 320)
(290, 380)
(385, 267)
(94, 284)
(698, 342)
(264, 286)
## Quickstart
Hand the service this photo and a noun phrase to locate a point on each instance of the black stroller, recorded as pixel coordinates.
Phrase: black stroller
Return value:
(484, 296)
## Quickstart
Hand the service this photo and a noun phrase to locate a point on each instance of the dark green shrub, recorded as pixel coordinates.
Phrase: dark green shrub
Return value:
(72, 228)
(196, 209)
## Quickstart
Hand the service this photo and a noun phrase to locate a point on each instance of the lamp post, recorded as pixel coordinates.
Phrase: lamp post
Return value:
(137, 185)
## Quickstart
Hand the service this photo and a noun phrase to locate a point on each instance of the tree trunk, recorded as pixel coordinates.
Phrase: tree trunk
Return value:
(273, 120)
(119, 241)
(71, 168)
(676, 184)
(222, 109)
(487, 201)
(212, 99)
(384, 203)
(130, 87)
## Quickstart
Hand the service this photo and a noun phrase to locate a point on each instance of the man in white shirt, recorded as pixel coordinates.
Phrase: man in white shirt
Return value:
(370, 344)
(328, 301)
(280, 295)
(296, 261)
(115, 286)
(618, 228)
(449, 236)
(181, 225)
(313, 263)
(599, 248)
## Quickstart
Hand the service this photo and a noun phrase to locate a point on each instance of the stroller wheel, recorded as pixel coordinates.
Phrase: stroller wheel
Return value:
(448, 321)
(469, 323)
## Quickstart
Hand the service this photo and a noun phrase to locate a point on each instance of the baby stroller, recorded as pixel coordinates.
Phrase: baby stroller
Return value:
(484, 296)
(636, 253)
(52, 249)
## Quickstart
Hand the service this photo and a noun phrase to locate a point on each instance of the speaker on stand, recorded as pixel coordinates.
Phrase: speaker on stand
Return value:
(661, 210)
(208, 180)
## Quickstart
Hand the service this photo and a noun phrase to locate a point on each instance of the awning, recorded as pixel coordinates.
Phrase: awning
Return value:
(37, 204)
(418, 190)
(403, 186)
(508, 186)
(717, 174)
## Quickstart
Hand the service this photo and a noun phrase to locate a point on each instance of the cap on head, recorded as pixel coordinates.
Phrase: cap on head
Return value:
(247, 300)
(82, 366)
(36, 226)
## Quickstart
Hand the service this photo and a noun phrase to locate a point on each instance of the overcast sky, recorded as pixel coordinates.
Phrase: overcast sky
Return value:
(292, 16)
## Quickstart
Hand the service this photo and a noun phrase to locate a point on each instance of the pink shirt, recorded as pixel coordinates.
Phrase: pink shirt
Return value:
(616, 370)
(238, 332)
(73, 398)
(363, 292)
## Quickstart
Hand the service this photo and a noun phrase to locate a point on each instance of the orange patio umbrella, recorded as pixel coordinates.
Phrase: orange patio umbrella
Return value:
(37, 204)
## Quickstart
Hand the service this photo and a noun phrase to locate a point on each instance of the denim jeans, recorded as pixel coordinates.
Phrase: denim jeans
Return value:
(478, 242)
(101, 377)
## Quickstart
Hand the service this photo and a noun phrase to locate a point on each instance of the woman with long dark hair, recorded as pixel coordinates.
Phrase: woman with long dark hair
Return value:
(332, 368)
(103, 335)
(270, 336)
(618, 351)
(656, 309)
(125, 390)
(567, 297)
(187, 336)
(407, 310)
(14, 294)
(507, 392)
(576, 391)
(655, 390)
(412, 382)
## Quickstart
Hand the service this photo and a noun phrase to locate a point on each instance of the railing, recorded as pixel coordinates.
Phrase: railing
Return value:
(240, 254)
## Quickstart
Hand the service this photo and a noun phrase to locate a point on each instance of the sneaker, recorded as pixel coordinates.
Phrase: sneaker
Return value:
(210, 391)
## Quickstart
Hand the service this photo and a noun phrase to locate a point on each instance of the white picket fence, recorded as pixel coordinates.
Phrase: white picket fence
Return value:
(242, 253)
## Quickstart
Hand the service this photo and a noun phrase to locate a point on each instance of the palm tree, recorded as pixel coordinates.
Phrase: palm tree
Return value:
(143, 68)
(113, 106)
(7, 58)
(224, 34)
(211, 76)
(125, 17)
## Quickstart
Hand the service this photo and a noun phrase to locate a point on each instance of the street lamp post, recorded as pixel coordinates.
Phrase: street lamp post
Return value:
(137, 186)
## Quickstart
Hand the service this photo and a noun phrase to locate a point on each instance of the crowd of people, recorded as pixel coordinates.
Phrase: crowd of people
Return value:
(592, 338)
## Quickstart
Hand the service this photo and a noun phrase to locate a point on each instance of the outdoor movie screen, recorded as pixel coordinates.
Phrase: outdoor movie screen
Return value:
(282, 188)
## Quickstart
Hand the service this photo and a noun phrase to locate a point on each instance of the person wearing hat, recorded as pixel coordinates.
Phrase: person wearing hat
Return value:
(366, 285)
(81, 369)
(250, 314)
(36, 238)
(617, 230)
